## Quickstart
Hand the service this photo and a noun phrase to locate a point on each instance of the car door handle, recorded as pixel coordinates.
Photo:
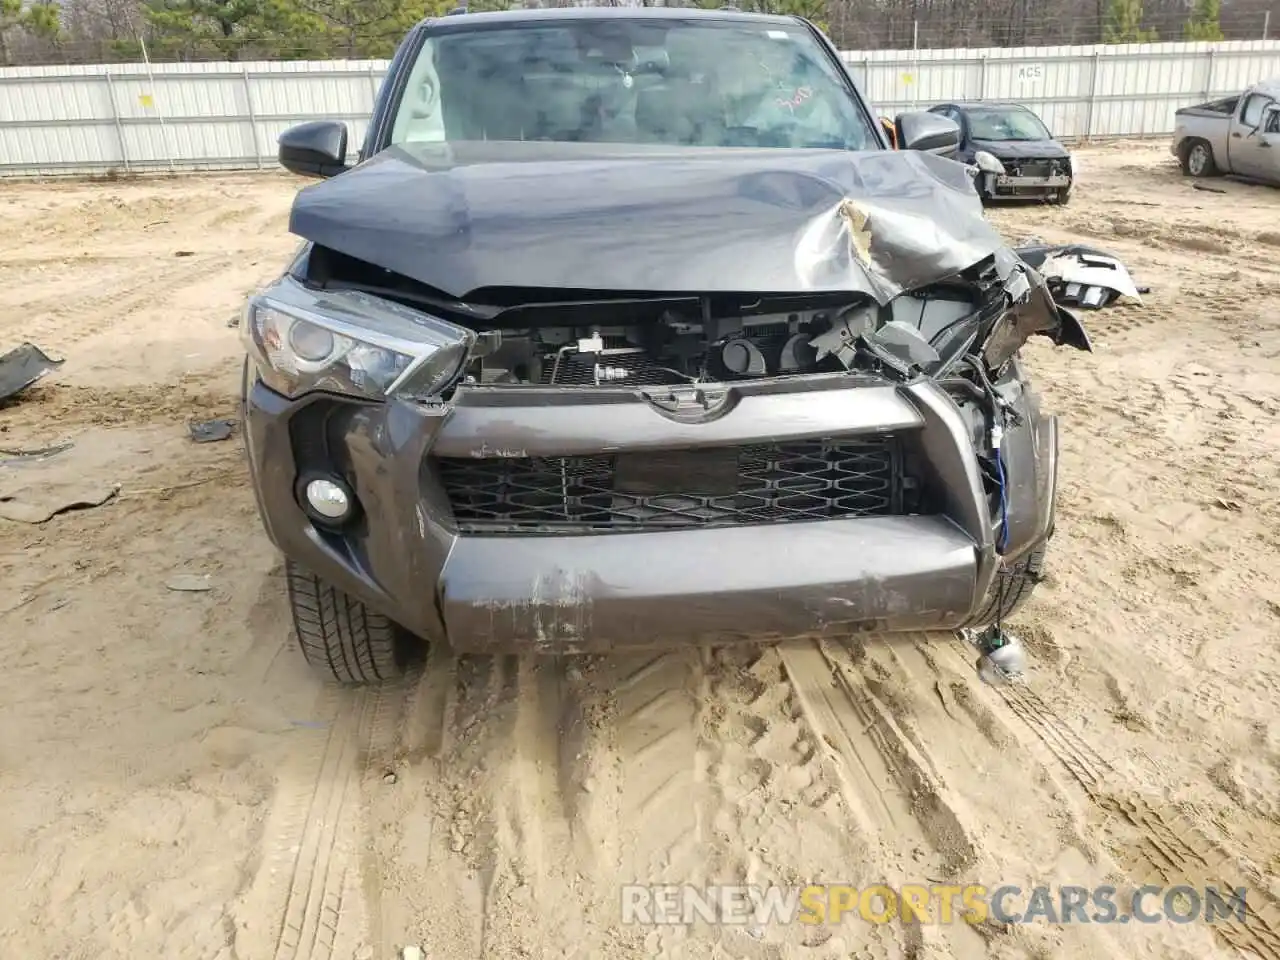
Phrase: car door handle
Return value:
(1236, 135)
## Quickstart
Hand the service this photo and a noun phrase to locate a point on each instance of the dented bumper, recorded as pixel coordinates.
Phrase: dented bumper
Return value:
(567, 595)
(409, 557)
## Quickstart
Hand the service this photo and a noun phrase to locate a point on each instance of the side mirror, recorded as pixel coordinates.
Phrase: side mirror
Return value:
(317, 148)
(927, 132)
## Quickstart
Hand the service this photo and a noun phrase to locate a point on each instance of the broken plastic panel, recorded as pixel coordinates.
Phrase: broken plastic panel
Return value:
(21, 367)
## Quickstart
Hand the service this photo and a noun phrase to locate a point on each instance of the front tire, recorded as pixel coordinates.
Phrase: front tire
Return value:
(1197, 160)
(1012, 588)
(341, 638)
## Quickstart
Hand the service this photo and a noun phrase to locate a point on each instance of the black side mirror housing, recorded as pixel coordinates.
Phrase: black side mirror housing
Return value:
(928, 133)
(317, 148)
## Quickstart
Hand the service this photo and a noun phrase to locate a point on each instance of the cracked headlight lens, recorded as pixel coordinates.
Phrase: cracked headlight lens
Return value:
(350, 342)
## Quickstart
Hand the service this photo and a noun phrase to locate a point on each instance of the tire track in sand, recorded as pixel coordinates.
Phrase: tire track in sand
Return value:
(704, 774)
(781, 815)
(888, 784)
(1150, 840)
(640, 753)
(309, 876)
(70, 323)
(473, 848)
(530, 849)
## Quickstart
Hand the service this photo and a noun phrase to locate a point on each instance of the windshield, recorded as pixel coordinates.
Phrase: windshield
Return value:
(1006, 123)
(671, 82)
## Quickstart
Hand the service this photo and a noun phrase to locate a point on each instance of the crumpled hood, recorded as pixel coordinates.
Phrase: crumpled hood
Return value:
(1023, 149)
(601, 217)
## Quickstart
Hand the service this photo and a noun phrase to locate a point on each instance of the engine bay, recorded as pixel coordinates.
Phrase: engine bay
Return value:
(698, 343)
(561, 338)
(675, 349)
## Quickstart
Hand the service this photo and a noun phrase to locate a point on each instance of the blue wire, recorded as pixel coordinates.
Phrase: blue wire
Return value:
(1004, 501)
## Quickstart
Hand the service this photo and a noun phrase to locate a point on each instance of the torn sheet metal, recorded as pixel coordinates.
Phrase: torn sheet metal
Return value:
(626, 217)
(22, 367)
(1032, 311)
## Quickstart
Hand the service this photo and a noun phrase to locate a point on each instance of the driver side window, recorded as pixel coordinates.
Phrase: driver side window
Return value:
(1273, 119)
(1252, 114)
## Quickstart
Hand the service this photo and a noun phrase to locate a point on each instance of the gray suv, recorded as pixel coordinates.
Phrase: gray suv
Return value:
(629, 328)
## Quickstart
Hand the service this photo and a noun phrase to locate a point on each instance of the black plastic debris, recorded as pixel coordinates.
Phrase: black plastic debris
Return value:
(22, 367)
(209, 431)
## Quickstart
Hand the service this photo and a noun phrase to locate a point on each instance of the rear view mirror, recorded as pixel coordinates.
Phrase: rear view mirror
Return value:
(317, 148)
(927, 133)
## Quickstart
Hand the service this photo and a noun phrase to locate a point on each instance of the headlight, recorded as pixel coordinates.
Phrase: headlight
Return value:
(350, 342)
(987, 162)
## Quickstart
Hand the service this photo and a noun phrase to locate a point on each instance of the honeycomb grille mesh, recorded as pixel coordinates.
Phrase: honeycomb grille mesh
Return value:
(675, 489)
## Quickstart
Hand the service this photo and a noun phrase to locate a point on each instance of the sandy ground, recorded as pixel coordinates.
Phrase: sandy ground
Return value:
(174, 783)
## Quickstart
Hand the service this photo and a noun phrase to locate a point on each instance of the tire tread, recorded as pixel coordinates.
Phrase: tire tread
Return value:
(1019, 582)
(338, 635)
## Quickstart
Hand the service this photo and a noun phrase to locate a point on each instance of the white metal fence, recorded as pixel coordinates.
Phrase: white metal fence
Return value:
(191, 116)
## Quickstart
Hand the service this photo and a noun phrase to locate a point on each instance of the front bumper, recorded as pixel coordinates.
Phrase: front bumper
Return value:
(1004, 185)
(579, 593)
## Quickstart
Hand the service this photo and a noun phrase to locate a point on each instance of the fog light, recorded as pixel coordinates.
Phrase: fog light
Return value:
(329, 499)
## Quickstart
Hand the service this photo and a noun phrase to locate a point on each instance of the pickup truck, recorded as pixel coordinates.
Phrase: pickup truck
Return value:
(1238, 135)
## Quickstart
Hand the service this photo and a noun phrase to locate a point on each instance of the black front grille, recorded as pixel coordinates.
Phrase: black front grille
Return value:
(676, 489)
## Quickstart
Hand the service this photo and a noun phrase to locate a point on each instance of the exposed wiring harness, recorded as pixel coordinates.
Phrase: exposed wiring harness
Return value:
(997, 436)
(1002, 542)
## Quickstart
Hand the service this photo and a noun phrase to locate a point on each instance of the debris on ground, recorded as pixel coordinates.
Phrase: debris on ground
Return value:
(190, 582)
(35, 503)
(1208, 188)
(1080, 275)
(208, 431)
(184, 253)
(1001, 656)
(22, 367)
(33, 455)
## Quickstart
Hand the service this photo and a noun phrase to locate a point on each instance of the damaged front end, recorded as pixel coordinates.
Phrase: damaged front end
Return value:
(340, 326)
(861, 442)
(541, 338)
